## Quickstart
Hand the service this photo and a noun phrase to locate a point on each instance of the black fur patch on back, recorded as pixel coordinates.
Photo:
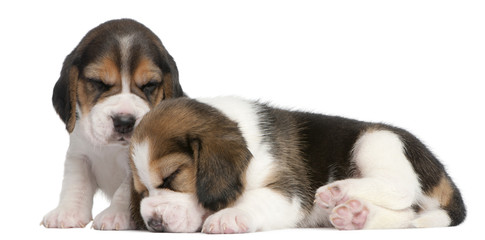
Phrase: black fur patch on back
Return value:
(311, 149)
(327, 143)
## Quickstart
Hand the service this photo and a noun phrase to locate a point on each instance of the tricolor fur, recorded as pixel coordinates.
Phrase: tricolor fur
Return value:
(116, 74)
(227, 165)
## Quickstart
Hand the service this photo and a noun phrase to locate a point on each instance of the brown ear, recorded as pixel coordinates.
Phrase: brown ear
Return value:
(64, 94)
(170, 72)
(221, 164)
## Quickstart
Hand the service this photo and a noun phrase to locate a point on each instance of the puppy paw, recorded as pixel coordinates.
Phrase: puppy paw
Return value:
(345, 212)
(229, 220)
(172, 212)
(329, 196)
(62, 217)
(113, 219)
(351, 215)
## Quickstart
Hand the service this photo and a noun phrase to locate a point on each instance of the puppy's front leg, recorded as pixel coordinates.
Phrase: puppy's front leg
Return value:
(256, 210)
(117, 215)
(76, 200)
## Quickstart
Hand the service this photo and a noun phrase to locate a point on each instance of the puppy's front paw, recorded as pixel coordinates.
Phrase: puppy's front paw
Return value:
(229, 220)
(63, 217)
(113, 219)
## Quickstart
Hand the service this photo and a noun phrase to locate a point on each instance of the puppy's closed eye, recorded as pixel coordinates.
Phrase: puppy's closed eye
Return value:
(150, 87)
(99, 85)
(167, 182)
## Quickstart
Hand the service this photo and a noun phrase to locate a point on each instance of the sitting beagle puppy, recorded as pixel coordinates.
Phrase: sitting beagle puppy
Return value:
(227, 165)
(117, 73)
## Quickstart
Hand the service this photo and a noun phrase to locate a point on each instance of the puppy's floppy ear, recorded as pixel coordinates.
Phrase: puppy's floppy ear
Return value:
(65, 90)
(171, 83)
(173, 78)
(221, 164)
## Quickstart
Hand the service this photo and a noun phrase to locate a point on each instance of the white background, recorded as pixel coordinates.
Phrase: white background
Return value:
(419, 65)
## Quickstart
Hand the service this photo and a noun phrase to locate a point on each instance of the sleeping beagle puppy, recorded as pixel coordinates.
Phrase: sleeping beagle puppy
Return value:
(116, 74)
(228, 165)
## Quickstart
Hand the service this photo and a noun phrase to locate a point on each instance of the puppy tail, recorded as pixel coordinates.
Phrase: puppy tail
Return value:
(451, 210)
(456, 207)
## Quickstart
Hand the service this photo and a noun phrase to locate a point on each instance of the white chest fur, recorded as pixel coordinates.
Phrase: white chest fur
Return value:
(107, 164)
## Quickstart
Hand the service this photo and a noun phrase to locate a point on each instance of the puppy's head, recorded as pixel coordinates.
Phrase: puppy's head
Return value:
(187, 146)
(118, 71)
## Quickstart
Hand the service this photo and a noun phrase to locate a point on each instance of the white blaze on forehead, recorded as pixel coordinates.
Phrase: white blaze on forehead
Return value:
(126, 43)
(141, 159)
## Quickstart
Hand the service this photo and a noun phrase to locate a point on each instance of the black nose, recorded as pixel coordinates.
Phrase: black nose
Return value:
(123, 123)
(156, 224)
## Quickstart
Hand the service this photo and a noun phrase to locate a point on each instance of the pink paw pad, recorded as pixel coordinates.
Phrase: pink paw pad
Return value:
(350, 215)
(328, 197)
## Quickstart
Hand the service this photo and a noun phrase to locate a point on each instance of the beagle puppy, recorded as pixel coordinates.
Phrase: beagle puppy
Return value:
(228, 165)
(116, 74)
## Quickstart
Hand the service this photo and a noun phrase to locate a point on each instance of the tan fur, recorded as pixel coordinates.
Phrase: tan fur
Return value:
(185, 178)
(145, 72)
(168, 86)
(73, 78)
(104, 70)
(138, 185)
(443, 192)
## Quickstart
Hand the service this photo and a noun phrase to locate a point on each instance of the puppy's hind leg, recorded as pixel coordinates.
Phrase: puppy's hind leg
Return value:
(382, 195)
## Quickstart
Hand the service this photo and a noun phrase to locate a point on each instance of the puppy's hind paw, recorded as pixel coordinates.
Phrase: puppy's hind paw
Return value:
(329, 196)
(351, 215)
